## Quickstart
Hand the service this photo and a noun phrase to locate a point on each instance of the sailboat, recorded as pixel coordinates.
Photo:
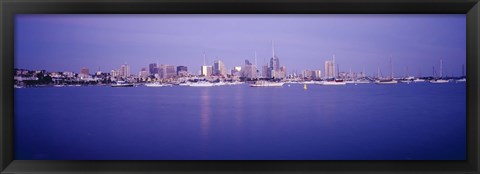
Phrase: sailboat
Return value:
(463, 79)
(386, 81)
(440, 80)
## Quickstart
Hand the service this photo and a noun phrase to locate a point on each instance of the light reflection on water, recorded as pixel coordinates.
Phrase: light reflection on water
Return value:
(204, 115)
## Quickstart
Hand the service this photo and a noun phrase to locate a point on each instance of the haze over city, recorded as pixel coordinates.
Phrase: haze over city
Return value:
(104, 42)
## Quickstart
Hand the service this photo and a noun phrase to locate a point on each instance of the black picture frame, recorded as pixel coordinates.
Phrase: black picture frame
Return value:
(8, 9)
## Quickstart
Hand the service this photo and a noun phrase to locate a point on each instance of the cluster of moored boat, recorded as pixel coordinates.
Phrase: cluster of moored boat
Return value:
(264, 83)
(191, 84)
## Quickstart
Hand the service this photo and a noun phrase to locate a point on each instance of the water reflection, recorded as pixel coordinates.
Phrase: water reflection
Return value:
(238, 105)
(204, 116)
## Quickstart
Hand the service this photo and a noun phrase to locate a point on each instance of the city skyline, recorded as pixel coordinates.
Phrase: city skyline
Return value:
(302, 42)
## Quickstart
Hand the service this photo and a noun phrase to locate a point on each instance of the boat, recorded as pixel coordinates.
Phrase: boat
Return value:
(461, 80)
(219, 84)
(406, 81)
(122, 84)
(418, 80)
(267, 84)
(439, 80)
(362, 81)
(201, 84)
(334, 82)
(156, 84)
(309, 82)
(185, 84)
(386, 81)
(350, 81)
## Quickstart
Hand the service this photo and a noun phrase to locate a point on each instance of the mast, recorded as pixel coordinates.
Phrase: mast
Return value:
(378, 72)
(391, 68)
(441, 69)
(255, 58)
(351, 76)
(338, 71)
(363, 72)
(334, 73)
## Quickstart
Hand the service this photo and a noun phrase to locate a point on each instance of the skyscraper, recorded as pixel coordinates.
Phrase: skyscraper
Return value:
(265, 70)
(182, 71)
(329, 69)
(274, 61)
(124, 71)
(206, 70)
(143, 73)
(275, 69)
(248, 70)
(219, 68)
(166, 71)
(153, 69)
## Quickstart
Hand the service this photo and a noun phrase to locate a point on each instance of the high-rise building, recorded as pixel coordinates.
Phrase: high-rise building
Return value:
(282, 72)
(143, 73)
(248, 70)
(153, 68)
(308, 74)
(166, 71)
(317, 74)
(182, 71)
(124, 71)
(275, 63)
(265, 71)
(114, 73)
(275, 70)
(329, 69)
(170, 71)
(219, 68)
(206, 70)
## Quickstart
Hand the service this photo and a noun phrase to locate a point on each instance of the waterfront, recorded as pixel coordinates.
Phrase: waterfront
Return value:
(417, 121)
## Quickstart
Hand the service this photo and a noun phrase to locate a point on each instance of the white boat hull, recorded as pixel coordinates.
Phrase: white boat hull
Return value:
(267, 85)
(386, 82)
(439, 81)
(327, 83)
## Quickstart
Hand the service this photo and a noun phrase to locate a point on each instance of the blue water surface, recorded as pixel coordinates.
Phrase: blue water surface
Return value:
(354, 122)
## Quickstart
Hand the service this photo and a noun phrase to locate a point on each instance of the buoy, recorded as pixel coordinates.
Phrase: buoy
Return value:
(305, 86)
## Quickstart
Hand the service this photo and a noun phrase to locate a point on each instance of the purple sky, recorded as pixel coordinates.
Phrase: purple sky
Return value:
(69, 42)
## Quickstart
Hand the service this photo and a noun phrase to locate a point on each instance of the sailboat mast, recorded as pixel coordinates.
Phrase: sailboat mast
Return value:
(255, 58)
(351, 76)
(378, 72)
(363, 72)
(334, 73)
(391, 68)
(441, 68)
